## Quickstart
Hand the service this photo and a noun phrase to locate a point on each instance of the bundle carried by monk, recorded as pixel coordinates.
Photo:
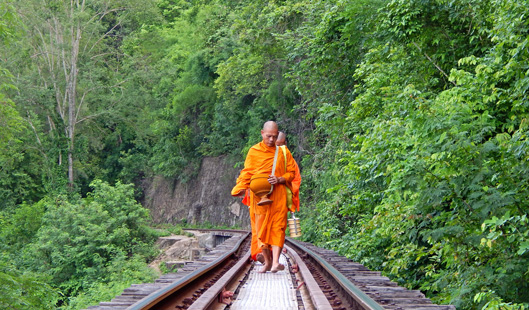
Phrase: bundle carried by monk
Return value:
(260, 186)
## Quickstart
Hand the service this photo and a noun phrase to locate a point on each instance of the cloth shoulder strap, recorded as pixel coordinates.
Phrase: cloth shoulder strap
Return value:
(274, 169)
(289, 191)
(275, 162)
(285, 155)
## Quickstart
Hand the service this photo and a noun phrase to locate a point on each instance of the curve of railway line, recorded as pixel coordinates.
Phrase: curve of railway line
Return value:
(225, 278)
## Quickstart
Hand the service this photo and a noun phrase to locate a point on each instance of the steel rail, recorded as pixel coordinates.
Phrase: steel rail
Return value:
(357, 294)
(209, 296)
(158, 296)
(317, 296)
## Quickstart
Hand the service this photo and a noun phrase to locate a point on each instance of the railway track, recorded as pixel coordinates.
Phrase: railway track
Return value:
(315, 279)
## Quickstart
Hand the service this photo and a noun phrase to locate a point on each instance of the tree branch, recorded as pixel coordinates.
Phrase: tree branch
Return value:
(430, 59)
(91, 116)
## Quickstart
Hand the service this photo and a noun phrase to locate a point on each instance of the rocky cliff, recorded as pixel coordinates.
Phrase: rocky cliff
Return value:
(204, 199)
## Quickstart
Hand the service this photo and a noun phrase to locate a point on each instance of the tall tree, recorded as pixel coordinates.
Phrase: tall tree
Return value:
(74, 49)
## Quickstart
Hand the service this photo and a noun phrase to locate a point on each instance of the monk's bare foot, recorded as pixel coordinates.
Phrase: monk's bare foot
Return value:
(265, 268)
(260, 258)
(277, 268)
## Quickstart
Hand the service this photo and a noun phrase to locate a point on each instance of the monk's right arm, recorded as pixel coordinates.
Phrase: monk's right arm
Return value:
(243, 181)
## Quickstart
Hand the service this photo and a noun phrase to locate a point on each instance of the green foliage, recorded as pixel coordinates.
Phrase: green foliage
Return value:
(10, 25)
(10, 121)
(24, 290)
(21, 288)
(19, 174)
(182, 125)
(168, 229)
(80, 242)
(251, 83)
(20, 226)
(70, 83)
(429, 188)
(121, 274)
(496, 303)
(164, 269)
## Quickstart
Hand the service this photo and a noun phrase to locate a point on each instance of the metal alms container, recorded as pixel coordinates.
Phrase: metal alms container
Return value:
(294, 226)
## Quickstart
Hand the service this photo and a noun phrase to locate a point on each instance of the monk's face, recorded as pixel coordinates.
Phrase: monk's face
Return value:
(269, 136)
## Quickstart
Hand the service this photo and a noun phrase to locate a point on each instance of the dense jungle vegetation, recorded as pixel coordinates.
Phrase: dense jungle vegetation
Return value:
(409, 119)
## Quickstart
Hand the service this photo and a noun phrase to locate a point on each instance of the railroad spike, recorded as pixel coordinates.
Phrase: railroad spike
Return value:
(300, 285)
(225, 297)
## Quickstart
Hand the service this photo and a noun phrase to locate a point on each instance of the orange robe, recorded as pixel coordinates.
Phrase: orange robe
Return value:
(271, 219)
(293, 205)
(294, 186)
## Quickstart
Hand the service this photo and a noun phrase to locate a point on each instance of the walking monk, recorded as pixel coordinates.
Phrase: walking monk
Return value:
(270, 220)
(293, 205)
(292, 199)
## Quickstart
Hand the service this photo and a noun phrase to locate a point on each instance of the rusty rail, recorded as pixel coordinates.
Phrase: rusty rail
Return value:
(162, 294)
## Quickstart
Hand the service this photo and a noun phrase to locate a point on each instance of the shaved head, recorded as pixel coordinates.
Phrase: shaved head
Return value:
(271, 125)
(269, 133)
(281, 139)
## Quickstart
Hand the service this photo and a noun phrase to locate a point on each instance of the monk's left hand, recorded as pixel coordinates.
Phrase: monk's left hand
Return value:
(275, 180)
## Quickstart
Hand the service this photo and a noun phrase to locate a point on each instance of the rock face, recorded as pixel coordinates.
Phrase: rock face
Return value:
(204, 199)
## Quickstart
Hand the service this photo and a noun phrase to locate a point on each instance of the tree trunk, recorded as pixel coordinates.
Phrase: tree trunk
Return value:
(72, 95)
